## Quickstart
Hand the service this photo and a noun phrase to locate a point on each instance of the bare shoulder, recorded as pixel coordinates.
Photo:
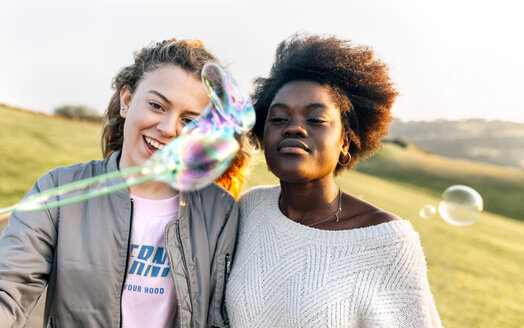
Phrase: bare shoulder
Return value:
(378, 216)
(381, 216)
(368, 211)
(364, 214)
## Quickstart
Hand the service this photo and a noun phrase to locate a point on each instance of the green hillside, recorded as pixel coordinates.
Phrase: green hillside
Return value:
(493, 142)
(502, 188)
(32, 144)
(475, 272)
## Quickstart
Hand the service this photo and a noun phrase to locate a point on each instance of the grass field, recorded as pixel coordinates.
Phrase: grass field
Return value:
(32, 144)
(502, 188)
(475, 272)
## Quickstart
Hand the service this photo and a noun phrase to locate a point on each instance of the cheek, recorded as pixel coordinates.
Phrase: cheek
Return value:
(128, 125)
(266, 143)
(268, 138)
(127, 134)
(332, 148)
(133, 125)
(268, 149)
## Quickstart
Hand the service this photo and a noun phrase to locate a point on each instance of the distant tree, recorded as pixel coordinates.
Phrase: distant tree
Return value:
(401, 142)
(78, 113)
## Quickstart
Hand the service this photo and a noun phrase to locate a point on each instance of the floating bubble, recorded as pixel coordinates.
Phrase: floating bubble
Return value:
(460, 205)
(203, 151)
(427, 211)
(208, 144)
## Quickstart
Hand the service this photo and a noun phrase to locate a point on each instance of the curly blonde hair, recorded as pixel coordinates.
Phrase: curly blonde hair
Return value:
(191, 55)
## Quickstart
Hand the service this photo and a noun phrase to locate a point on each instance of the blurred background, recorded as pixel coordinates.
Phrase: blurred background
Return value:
(459, 118)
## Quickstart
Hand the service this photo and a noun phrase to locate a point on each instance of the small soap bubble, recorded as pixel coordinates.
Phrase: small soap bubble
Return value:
(427, 211)
(460, 205)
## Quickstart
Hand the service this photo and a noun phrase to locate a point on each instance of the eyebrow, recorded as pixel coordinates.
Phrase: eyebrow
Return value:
(316, 105)
(193, 113)
(309, 106)
(277, 105)
(164, 98)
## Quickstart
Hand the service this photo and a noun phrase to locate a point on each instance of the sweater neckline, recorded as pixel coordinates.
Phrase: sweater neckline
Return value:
(384, 231)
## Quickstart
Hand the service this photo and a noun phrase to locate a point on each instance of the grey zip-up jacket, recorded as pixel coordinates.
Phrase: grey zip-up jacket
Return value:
(80, 251)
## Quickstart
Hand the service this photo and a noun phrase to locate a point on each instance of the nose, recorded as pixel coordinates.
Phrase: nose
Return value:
(168, 126)
(294, 128)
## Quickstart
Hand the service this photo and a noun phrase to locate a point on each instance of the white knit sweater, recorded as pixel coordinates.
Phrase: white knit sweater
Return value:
(289, 275)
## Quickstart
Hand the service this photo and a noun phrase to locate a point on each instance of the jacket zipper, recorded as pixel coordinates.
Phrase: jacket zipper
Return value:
(127, 257)
(184, 263)
(226, 276)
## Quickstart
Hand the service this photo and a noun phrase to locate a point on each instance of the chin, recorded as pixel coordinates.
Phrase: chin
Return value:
(290, 175)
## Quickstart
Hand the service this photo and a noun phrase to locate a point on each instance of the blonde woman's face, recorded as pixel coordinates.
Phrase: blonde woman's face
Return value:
(164, 101)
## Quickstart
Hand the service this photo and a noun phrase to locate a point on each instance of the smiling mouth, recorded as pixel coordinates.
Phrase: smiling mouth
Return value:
(153, 144)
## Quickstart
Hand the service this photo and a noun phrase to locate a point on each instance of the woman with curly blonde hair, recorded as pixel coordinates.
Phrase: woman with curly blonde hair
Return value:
(310, 254)
(191, 56)
(148, 255)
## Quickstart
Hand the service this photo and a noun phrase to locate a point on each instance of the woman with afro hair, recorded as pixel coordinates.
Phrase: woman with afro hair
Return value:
(308, 253)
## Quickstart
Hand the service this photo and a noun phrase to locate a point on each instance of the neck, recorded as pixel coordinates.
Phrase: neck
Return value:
(309, 202)
(153, 190)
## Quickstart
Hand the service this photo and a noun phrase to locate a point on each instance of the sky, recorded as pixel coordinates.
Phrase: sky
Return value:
(449, 59)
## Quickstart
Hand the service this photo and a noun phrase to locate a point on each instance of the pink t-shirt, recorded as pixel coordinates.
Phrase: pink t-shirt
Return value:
(149, 298)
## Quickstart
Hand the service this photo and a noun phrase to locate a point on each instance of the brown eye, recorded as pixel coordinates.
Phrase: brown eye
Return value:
(187, 120)
(277, 120)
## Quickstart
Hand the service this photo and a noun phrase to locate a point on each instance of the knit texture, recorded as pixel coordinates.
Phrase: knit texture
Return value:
(289, 275)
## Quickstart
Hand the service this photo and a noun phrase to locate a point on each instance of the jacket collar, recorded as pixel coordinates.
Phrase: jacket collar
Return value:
(112, 162)
(112, 166)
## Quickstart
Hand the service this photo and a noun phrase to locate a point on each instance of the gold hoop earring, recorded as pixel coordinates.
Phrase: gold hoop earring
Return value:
(346, 157)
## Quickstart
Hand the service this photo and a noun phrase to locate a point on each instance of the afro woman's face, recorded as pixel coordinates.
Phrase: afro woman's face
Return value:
(303, 136)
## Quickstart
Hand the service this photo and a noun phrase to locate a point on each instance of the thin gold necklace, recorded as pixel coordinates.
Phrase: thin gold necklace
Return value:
(339, 209)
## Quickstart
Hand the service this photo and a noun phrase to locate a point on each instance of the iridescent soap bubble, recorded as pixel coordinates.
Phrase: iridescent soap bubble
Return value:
(203, 151)
(460, 205)
(208, 144)
(427, 211)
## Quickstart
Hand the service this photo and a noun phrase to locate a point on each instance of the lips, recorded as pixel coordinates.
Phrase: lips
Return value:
(292, 146)
(153, 144)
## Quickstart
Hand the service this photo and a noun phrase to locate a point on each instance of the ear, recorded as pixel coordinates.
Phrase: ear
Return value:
(125, 101)
(345, 143)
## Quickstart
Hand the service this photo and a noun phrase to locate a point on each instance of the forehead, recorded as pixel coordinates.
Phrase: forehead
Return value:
(168, 78)
(302, 94)
(175, 84)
